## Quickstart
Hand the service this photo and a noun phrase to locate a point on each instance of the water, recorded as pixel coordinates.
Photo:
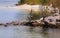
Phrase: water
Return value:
(28, 32)
(8, 14)
(8, 2)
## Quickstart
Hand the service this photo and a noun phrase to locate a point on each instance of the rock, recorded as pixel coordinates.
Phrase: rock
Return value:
(36, 24)
(5, 25)
(15, 23)
(1, 24)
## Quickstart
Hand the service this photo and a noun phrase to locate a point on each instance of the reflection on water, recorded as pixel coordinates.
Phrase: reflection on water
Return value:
(28, 32)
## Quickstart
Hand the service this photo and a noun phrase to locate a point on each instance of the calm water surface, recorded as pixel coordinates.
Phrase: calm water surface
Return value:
(28, 32)
(11, 14)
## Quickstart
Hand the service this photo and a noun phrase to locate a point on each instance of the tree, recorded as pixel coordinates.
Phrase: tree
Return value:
(31, 2)
(21, 2)
(44, 2)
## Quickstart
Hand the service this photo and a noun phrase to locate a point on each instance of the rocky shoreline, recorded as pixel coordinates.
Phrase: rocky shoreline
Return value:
(32, 24)
(52, 21)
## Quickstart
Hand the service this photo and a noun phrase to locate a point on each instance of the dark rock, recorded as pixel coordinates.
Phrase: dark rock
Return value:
(1, 24)
(5, 25)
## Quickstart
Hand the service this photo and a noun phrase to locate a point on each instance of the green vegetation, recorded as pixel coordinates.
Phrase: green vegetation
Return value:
(35, 2)
(32, 2)
(39, 15)
(35, 16)
(44, 2)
